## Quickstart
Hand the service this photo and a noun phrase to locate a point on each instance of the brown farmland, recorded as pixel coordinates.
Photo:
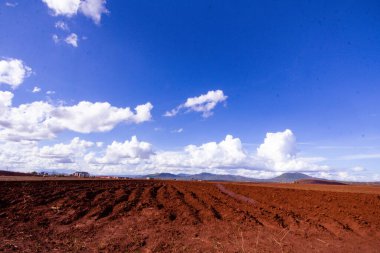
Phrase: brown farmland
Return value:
(174, 216)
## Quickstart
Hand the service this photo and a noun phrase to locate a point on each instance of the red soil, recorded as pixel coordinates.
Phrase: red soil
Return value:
(168, 216)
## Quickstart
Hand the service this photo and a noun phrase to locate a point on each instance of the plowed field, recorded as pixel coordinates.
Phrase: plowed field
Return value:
(174, 216)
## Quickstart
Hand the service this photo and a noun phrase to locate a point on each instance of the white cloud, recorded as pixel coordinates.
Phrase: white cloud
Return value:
(143, 113)
(172, 112)
(11, 4)
(5, 99)
(62, 150)
(27, 156)
(360, 156)
(225, 157)
(63, 7)
(278, 146)
(65, 153)
(72, 40)
(122, 153)
(86, 117)
(135, 157)
(50, 92)
(90, 8)
(45, 120)
(15, 126)
(343, 176)
(178, 131)
(94, 9)
(227, 153)
(55, 38)
(279, 153)
(62, 26)
(36, 89)
(357, 169)
(13, 72)
(138, 157)
(21, 156)
(204, 103)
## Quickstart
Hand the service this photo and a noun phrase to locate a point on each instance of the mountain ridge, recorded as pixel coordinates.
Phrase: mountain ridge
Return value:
(283, 178)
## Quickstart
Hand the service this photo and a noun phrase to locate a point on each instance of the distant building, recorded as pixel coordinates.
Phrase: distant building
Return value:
(81, 174)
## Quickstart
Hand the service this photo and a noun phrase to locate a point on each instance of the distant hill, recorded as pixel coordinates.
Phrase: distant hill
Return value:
(57, 171)
(13, 173)
(162, 176)
(286, 177)
(319, 181)
(216, 177)
(202, 176)
(283, 178)
(290, 177)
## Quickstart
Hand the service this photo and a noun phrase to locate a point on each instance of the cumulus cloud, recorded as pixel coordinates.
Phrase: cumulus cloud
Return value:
(45, 120)
(94, 9)
(278, 146)
(63, 7)
(227, 153)
(227, 156)
(72, 39)
(86, 117)
(279, 152)
(21, 156)
(135, 157)
(138, 157)
(90, 8)
(13, 72)
(65, 153)
(143, 113)
(5, 99)
(204, 103)
(122, 153)
(28, 156)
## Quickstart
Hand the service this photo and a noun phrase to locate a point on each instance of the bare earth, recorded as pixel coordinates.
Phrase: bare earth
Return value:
(174, 216)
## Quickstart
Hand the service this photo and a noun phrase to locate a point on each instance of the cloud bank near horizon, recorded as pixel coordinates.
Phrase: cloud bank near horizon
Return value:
(277, 154)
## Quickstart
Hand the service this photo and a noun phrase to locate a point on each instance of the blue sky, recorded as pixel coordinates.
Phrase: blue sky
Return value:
(310, 67)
